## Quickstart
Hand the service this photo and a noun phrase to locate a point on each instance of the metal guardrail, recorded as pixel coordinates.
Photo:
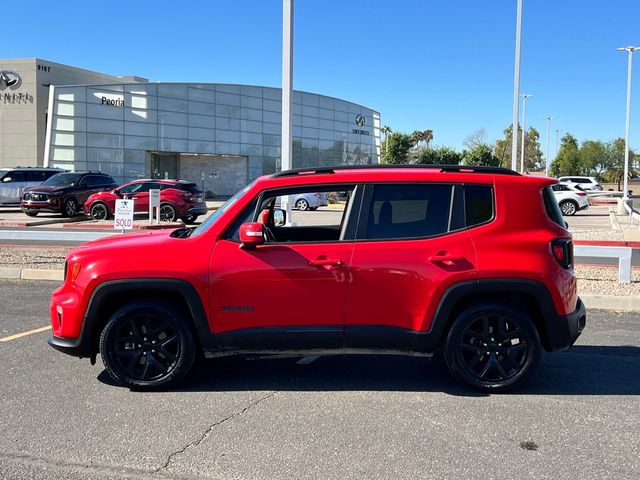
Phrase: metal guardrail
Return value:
(633, 214)
(623, 254)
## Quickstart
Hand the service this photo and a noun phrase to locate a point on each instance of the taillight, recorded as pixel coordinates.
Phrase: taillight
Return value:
(562, 250)
(317, 195)
(581, 194)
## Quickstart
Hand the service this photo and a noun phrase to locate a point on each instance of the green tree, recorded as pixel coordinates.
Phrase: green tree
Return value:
(532, 152)
(397, 148)
(595, 156)
(615, 170)
(568, 160)
(438, 156)
(481, 154)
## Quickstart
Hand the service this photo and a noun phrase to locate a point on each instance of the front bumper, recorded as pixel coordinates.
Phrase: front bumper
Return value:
(52, 205)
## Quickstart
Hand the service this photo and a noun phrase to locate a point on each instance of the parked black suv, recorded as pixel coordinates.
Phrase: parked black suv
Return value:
(65, 193)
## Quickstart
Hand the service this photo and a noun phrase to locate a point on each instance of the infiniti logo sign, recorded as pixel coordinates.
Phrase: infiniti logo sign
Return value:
(10, 79)
(361, 120)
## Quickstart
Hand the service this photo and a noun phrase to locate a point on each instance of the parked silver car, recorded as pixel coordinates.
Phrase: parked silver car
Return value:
(13, 181)
(570, 198)
(310, 201)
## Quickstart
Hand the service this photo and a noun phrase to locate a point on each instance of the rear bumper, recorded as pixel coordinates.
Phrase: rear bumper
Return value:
(563, 331)
(198, 210)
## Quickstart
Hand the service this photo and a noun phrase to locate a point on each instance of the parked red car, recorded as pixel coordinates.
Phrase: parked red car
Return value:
(178, 199)
(417, 259)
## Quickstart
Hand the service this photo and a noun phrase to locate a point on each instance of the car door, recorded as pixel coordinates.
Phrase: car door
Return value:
(288, 293)
(410, 248)
(141, 196)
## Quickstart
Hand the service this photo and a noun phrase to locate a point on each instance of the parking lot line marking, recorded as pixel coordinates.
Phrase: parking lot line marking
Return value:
(24, 334)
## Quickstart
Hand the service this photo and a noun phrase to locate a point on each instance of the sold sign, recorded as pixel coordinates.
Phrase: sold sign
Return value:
(123, 217)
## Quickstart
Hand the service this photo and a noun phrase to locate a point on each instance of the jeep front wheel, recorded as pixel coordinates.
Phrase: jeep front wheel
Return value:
(492, 347)
(147, 345)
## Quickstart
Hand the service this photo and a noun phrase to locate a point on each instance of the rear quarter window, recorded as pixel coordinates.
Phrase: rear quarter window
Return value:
(478, 204)
(551, 206)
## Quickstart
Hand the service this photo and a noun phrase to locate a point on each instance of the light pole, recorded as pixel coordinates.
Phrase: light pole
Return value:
(625, 188)
(557, 134)
(524, 112)
(546, 160)
(286, 142)
(516, 91)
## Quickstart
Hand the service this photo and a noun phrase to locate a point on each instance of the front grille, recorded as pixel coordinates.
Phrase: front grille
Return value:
(36, 197)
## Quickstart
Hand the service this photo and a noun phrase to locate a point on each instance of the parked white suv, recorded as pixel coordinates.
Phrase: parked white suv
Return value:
(570, 198)
(586, 183)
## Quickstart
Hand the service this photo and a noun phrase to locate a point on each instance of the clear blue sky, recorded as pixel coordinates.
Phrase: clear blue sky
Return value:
(443, 65)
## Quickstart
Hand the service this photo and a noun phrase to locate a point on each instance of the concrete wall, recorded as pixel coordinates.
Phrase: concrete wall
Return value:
(23, 108)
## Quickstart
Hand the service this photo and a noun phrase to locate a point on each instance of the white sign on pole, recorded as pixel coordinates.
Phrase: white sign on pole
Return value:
(154, 202)
(123, 215)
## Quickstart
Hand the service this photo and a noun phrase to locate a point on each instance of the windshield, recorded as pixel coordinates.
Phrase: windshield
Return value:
(62, 180)
(204, 226)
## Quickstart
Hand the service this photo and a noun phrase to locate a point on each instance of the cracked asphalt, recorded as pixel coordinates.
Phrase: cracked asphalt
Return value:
(335, 417)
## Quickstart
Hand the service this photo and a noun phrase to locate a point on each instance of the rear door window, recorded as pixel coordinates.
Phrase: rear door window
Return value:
(398, 211)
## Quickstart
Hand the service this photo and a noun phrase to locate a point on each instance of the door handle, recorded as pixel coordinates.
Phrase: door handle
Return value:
(446, 259)
(325, 262)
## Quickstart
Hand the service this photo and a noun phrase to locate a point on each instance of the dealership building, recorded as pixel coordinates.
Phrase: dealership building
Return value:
(220, 136)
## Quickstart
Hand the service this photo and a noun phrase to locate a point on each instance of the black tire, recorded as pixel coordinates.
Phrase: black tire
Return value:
(70, 207)
(99, 211)
(492, 347)
(189, 218)
(568, 207)
(313, 208)
(167, 213)
(31, 214)
(302, 204)
(147, 345)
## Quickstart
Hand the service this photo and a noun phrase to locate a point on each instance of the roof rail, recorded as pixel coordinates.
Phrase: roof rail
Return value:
(442, 168)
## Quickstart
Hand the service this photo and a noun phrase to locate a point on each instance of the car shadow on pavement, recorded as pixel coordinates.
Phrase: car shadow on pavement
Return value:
(582, 370)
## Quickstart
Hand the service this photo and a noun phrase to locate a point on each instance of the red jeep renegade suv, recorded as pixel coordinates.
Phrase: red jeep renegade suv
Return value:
(416, 260)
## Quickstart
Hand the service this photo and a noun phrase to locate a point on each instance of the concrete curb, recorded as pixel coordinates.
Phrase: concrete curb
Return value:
(30, 274)
(611, 302)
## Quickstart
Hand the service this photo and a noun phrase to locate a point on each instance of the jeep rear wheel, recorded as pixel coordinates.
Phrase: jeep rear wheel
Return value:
(147, 345)
(492, 347)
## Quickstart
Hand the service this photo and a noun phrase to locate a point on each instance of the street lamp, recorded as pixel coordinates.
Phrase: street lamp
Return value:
(546, 160)
(516, 91)
(625, 189)
(524, 111)
(557, 134)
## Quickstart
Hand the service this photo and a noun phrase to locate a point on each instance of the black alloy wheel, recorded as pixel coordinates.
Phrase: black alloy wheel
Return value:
(70, 207)
(492, 347)
(147, 345)
(99, 211)
(167, 213)
(568, 207)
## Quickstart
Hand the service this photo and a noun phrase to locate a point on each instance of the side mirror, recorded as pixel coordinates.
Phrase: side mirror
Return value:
(6, 179)
(117, 192)
(251, 235)
(279, 218)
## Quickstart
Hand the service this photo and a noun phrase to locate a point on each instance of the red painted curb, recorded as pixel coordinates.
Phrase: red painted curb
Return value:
(109, 226)
(607, 243)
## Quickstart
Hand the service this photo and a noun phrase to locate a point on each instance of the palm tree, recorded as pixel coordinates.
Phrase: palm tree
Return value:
(386, 130)
(427, 136)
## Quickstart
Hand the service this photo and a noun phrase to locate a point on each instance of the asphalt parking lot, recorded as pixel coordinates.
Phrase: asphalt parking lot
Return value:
(335, 417)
